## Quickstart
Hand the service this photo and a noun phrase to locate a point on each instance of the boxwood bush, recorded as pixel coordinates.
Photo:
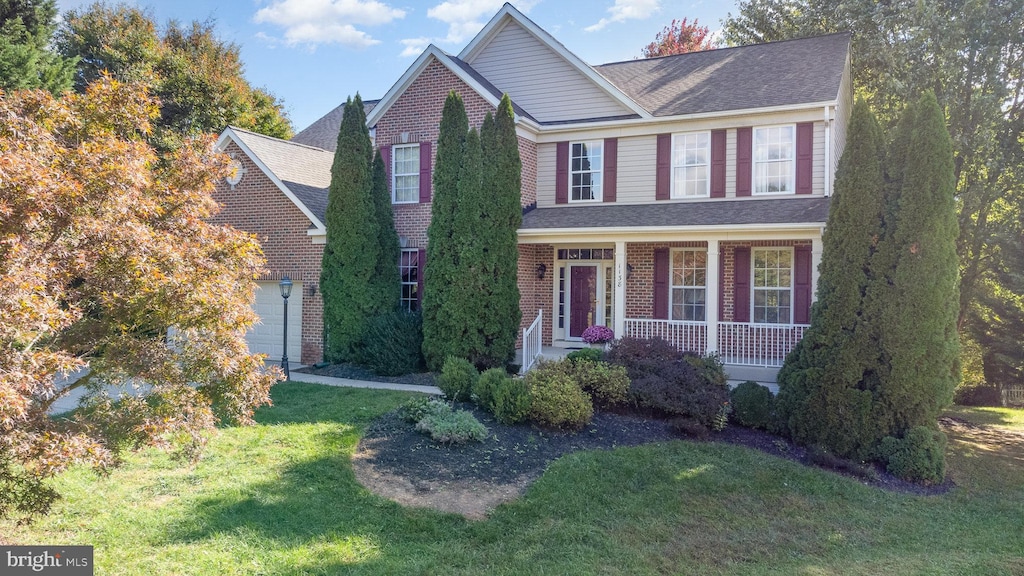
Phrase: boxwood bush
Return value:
(920, 456)
(486, 385)
(587, 354)
(753, 405)
(457, 378)
(607, 385)
(511, 401)
(555, 398)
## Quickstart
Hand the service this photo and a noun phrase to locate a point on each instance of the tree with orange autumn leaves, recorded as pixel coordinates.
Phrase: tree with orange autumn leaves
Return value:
(108, 266)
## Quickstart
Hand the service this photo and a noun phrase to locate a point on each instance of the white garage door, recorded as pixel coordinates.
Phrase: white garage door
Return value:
(266, 336)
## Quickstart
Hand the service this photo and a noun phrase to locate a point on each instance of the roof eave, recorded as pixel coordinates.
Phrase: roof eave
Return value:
(720, 231)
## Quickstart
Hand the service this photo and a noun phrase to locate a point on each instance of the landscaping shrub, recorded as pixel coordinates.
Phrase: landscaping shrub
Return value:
(753, 405)
(451, 427)
(607, 385)
(457, 379)
(392, 343)
(920, 456)
(983, 395)
(555, 397)
(642, 356)
(511, 401)
(586, 354)
(488, 383)
(677, 388)
(418, 408)
(689, 427)
(709, 366)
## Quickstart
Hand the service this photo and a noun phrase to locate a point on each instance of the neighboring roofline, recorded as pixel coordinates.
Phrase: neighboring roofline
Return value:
(231, 133)
(509, 12)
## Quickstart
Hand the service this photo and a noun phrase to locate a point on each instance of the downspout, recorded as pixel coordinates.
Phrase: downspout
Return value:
(828, 150)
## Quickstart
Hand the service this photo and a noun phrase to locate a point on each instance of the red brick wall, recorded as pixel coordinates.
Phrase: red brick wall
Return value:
(528, 157)
(258, 206)
(536, 294)
(727, 250)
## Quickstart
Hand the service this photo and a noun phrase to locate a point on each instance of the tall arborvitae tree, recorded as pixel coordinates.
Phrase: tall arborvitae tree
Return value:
(386, 279)
(442, 249)
(352, 252)
(828, 388)
(918, 330)
(467, 312)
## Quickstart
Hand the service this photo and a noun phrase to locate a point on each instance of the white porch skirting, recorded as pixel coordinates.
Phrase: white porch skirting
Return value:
(738, 343)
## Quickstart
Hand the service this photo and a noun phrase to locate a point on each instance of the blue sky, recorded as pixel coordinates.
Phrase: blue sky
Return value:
(315, 53)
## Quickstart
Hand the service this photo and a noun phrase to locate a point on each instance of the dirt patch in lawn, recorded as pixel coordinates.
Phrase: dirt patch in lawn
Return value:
(396, 462)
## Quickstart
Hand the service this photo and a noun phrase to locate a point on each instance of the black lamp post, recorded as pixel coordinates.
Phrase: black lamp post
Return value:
(286, 291)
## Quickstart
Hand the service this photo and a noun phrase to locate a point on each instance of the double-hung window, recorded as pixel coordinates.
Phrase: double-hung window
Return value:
(405, 170)
(409, 271)
(585, 164)
(691, 160)
(775, 160)
(688, 285)
(773, 285)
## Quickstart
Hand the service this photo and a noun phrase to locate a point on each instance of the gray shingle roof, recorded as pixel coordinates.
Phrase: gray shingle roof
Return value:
(323, 133)
(709, 213)
(798, 71)
(305, 170)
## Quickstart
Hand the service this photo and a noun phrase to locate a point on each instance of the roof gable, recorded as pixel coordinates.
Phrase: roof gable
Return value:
(302, 173)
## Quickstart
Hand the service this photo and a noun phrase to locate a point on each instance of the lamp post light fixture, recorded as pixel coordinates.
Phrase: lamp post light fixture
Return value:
(286, 291)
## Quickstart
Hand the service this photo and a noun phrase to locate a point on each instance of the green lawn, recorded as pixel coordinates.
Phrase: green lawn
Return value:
(280, 498)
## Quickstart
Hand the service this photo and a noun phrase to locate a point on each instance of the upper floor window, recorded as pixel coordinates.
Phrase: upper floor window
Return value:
(688, 290)
(691, 158)
(585, 164)
(405, 170)
(775, 160)
(773, 285)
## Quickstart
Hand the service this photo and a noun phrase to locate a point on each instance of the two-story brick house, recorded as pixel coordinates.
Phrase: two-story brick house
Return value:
(682, 197)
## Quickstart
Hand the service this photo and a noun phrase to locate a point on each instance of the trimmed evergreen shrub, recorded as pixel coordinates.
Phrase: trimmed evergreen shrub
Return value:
(457, 379)
(690, 428)
(607, 385)
(556, 399)
(709, 366)
(586, 354)
(511, 401)
(753, 405)
(920, 456)
(416, 409)
(451, 427)
(486, 385)
(392, 344)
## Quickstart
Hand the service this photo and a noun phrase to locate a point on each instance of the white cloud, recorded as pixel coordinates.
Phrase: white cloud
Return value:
(627, 10)
(328, 21)
(465, 18)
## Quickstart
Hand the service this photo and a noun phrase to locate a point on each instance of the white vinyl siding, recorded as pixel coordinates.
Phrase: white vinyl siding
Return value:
(637, 167)
(543, 82)
(405, 170)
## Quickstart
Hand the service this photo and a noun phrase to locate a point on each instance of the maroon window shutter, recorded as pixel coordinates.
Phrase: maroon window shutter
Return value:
(721, 288)
(562, 173)
(611, 168)
(718, 163)
(804, 156)
(425, 173)
(385, 155)
(421, 263)
(663, 181)
(741, 284)
(661, 283)
(744, 160)
(802, 285)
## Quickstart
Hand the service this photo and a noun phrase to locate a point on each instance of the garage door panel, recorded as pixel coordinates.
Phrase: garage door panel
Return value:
(265, 337)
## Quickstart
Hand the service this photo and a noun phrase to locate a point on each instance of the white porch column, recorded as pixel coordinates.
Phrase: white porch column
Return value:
(620, 289)
(711, 297)
(816, 249)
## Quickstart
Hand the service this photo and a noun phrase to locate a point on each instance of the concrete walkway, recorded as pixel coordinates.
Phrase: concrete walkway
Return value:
(349, 383)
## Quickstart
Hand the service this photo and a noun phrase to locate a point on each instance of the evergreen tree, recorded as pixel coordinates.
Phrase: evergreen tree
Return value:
(467, 307)
(353, 250)
(829, 384)
(26, 60)
(387, 282)
(442, 248)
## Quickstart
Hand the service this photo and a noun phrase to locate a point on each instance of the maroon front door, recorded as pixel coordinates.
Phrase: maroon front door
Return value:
(582, 298)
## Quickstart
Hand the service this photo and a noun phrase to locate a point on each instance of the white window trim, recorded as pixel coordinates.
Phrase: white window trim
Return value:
(401, 281)
(792, 279)
(707, 181)
(671, 286)
(753, 162)
(599, 197)
(395, 175)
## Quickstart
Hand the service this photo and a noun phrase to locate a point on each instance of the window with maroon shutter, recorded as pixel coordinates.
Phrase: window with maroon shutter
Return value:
(407, 173)
(744, 155)
(425, 173)
(718, 163)
(661, 283)
(741, 284)
(385, 155)
(562, 173)
(804, 157)
(802, 285)
(663, 168)
(611, 168)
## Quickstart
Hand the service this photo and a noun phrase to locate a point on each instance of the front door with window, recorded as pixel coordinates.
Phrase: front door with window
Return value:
(582, 298)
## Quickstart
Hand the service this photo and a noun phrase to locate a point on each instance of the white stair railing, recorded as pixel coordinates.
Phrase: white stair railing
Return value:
(533, 339)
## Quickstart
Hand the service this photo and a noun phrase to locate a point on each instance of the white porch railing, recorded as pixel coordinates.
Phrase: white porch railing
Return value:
(686, 336)
(533, 339)
(757, 344)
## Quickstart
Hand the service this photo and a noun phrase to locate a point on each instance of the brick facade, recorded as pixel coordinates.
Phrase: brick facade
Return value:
(536, 293)
(258, 206)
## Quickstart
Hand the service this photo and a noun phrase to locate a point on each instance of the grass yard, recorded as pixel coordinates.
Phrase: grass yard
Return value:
(280, 498)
